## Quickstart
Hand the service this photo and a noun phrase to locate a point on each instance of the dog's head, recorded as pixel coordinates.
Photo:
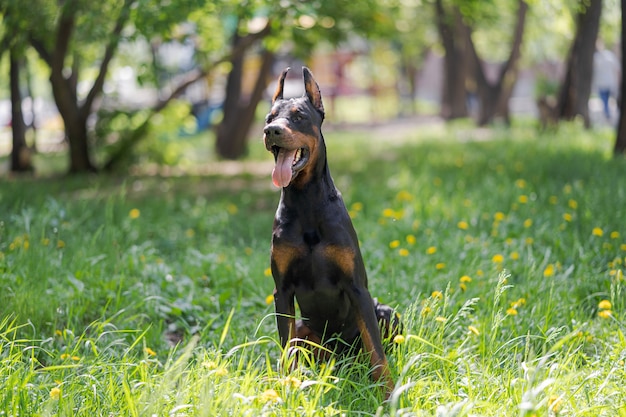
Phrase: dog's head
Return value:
(293, 132)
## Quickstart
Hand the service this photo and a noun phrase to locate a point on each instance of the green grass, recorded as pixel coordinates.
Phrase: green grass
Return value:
(147, 295)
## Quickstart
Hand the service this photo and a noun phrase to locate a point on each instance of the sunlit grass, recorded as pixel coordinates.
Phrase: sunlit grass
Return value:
(504, 250)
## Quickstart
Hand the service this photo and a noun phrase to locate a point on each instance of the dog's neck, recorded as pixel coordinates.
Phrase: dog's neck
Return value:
(319, 189)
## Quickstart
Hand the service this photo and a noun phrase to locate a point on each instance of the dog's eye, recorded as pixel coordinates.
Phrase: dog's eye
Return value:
(298, 117)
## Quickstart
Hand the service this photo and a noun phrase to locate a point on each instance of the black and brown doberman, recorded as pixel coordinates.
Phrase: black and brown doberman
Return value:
(315, 253)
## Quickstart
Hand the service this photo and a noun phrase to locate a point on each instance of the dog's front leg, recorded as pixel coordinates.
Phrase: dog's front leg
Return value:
(370, 335)
(285, 316)
(286, 321)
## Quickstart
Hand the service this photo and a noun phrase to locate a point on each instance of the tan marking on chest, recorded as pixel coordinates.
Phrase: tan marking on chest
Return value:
(342, 256)
(283, 255)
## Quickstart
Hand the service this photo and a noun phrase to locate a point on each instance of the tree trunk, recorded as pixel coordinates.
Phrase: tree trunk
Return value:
(239, 111)
(453, 100)
(494, 96)
(620, 140)
(75, 123)
(576, 87)
(20, 154)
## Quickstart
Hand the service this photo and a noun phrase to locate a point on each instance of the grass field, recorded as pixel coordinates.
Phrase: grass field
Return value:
(504, 250)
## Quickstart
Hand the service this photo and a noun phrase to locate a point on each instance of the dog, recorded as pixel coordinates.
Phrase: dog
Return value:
(315, 254)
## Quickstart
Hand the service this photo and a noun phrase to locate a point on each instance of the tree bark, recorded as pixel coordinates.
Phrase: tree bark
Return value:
(620, 140)
(73, 113)
(20, 153)
(239, 111)
(576, 88)
(449, 25)
(494, 96)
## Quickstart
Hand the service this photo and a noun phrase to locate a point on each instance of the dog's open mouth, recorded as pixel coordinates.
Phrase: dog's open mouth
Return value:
(288, 163)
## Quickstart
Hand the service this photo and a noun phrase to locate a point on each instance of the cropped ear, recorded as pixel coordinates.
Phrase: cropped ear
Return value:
(278, 95)
(312, 90)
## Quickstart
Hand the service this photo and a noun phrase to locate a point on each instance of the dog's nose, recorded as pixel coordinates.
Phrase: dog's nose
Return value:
(273, 131)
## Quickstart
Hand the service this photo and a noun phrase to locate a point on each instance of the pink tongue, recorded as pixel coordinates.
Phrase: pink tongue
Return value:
(281, 176)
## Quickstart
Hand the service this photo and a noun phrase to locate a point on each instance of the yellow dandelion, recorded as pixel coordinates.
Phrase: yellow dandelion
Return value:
(528, 223)
(605, 314)
(55, 393)
(605, 305)
(474, 330)
(75, 358)
(499, 216)
(597, 231)
(520, 302)
(292, 382)
(426, 310)
(497, 258)
(554, 404)
(548, 271)
(134, 213)
(440, 266)
(523, 199)
(520, 183)
(403, 252)
(567, 217)
(553, 199)
(623, 246)
(149, 351)
(247, 251)
(399, 339)
(394, 244)
(190, 233)
(269, 395)
(232, 209)
(220, 372)
(269, 299)
(357, 206)
(410, 239)
(463, 225)
(404, 196)
(465, 279)
(463, 287)
(58, 332)
(480, 272)
(441, 319)
(267, 272)
(60, 244)
(567, 188)
(431, 250)
(511, 311)
(437, 294)
(209, 364)
(573, 204)
(614, 235)
(388, 212)
(64, 356)
(529, 240)
(515, 256)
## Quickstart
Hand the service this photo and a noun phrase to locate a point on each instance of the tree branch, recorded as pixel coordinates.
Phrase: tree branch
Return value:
(197, 74)
(98, 84)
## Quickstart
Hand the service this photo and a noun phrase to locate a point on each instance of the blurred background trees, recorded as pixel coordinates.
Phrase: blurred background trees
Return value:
(122, 80)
